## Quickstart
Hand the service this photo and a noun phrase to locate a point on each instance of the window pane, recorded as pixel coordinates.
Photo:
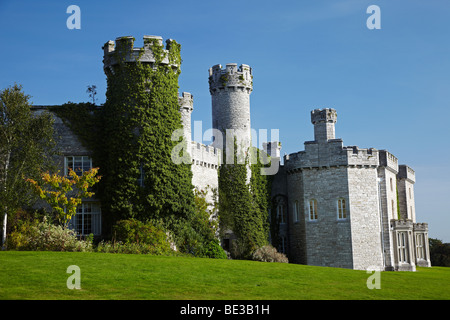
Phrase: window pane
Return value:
(87, 224)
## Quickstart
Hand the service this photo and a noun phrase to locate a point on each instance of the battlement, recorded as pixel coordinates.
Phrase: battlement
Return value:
(186, 101)
(273, 148)
(405, 172)
(333, 155)
(357, 156)
(421, 226)
(327, 115)
(205, 156)
(123, 50)
(230, 77)
(388, 160)
(404, 224)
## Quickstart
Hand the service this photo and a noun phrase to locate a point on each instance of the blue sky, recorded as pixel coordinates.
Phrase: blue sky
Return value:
(390, 87)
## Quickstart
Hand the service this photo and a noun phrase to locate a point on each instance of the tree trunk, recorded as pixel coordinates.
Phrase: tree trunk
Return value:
(5, 218)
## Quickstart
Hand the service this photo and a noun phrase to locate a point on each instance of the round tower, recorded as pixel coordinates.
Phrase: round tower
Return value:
(230, 90)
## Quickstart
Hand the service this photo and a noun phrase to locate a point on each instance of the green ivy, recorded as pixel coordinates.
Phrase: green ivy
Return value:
(139, 116)
(243, 208)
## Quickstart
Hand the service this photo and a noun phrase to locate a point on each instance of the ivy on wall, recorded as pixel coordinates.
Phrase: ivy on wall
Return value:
(139, 116)
(243, 207)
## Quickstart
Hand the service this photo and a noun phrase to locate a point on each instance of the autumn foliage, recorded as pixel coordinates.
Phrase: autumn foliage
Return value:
(63, 193)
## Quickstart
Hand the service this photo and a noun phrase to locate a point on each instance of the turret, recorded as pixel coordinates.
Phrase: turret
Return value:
(230, 90)
(123, 50)
(324, 121)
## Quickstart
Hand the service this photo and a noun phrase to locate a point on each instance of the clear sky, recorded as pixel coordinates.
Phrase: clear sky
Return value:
(390, 86)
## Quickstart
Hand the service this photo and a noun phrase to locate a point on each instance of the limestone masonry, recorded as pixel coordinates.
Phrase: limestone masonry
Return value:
(338, 206)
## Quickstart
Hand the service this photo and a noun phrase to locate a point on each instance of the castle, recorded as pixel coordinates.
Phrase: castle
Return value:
(336, 206)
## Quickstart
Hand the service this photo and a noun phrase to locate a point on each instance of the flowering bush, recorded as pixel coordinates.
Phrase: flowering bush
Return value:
(269, 254)
(45, 236)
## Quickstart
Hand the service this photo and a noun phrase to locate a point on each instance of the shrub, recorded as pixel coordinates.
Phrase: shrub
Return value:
(212, 249)
(269, 254)
(143, 237)
(44, 236)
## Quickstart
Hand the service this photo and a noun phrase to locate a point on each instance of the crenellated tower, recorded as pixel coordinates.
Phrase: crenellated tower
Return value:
(123, 51)
(140, 115)
(230, 90)
(324, 121)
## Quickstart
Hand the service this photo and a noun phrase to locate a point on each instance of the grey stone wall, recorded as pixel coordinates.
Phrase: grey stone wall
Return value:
(365, 218)
(328, 239)
(230, 90)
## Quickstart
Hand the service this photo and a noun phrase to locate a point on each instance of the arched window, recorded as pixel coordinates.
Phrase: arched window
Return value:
(312, 209)
(281, 212)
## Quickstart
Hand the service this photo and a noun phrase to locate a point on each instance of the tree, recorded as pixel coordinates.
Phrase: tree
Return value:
(64, 194)
(26, 146)
(92, 91)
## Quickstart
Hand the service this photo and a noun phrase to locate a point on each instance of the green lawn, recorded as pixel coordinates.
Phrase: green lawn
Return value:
(42, 275)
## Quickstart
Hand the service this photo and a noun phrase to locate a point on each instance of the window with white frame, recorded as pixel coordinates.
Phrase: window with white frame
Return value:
(312, 209)
(402, 244)
(87, 219)
(419, 246)
(79, 164)
(342, 209)
(296, 211)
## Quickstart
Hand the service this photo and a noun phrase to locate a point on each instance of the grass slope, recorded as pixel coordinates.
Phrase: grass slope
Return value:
(42, 275)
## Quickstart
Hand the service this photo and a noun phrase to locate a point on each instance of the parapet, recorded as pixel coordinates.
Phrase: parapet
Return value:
(323, 115)
(421, 226)
(186, 101)
(362, 157)
(405, 172)
(388, 160)
(405, 224)
(230, 77)
(205, 156)
(331, 155)
(123, 50)
(273, 148)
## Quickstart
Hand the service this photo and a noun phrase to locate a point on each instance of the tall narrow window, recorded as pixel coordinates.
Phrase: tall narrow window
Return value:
(392, 185)
(281, 213)
(140, 180)
(313, 209)
(342, 210)
(419, 246)
(410, 193)
(296, 211)
(282, 246)
(393, 208)
(402, 247)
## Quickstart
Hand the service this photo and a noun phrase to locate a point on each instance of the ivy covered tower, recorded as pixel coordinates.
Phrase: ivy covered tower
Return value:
(140, 114)
(230, 90)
